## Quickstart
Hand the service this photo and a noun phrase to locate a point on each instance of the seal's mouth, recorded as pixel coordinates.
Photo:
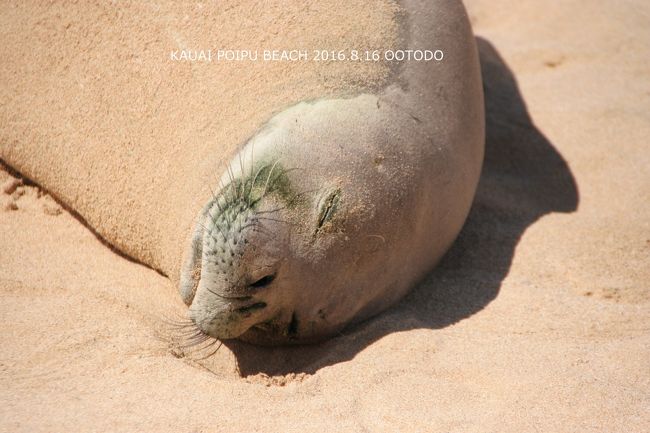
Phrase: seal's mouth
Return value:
(236, 301)
(248, 310)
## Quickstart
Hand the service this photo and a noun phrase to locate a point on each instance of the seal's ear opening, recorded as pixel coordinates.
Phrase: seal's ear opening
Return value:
(327, 208)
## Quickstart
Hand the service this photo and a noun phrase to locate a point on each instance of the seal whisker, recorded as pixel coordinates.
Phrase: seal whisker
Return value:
(269, 177)
(291, 202)
(250, 192)
(181, 326)
(211, 353)
(262, 230)
(189, 334)
(217, 196)
(182, 322)
(191, 340)
(233, 182)
(273, 219)
(244, 178)
(178, 320)
(309, 191)
(254, 181)
(256, 228)
(214, 197)
(240, 189)
(241, 164)
(187, 330)
(223, 188)
(175, 319)
(286, 170)
(200, 346)
(191, 344)
(198, 336)
(230, 174)
(217, 201)
(239, 298)
(277, 209)
(253, 224)
(227, 188)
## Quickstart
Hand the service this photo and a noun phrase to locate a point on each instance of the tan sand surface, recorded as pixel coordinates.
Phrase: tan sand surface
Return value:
(140, 139)
(538, 319)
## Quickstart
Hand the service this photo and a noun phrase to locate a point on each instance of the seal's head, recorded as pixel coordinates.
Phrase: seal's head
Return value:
(259, 256)
(317, 223)
(245, 255)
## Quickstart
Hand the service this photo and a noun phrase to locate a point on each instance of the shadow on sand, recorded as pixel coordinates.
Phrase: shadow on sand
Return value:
(523, 178)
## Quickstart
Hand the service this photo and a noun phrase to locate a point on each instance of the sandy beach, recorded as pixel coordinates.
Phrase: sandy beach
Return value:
(537, 319)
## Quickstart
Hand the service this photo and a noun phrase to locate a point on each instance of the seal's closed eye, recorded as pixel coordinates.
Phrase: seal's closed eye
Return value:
(328, 207)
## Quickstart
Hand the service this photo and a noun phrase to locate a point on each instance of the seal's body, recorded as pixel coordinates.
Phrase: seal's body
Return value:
(337, 207)
(329, 211)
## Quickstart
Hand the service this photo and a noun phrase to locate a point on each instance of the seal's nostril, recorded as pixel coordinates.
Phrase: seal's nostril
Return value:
(264, 281)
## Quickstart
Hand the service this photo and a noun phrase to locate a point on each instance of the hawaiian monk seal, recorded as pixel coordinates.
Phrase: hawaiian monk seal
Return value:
(337, 207)
(329, 211)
